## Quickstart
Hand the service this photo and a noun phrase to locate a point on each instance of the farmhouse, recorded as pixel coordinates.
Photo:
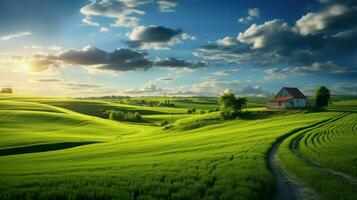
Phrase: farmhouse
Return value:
(288, 97)
(6, 90)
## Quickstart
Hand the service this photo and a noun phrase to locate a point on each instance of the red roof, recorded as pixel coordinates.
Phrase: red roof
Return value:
(294, 92)
(281, 99)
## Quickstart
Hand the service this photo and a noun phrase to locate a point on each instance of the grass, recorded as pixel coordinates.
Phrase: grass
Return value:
(314, 153)
(62, 149)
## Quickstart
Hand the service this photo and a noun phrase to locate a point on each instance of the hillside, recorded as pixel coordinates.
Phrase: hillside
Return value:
(62, 149)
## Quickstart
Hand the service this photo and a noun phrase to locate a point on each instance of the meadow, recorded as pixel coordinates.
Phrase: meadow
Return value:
(57, 148)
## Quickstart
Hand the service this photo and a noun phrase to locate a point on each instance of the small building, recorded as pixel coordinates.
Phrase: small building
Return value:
(288, 97)
(6, 90)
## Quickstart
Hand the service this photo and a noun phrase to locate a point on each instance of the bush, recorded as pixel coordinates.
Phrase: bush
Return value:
(203, 112)
(164, 123)
(137, 117)
(132, 117)
(189, 111)
(116, 115)
(225, 114)
(120, 116)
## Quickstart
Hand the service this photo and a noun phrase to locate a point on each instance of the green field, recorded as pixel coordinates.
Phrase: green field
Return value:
(52, 148)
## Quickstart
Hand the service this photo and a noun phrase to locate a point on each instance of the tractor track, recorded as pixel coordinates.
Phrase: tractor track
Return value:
(288, 186)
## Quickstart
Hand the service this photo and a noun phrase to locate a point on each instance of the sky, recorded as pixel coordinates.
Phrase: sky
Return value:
(78, 48)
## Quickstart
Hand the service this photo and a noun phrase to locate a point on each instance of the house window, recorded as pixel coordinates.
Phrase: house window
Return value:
(279, 103)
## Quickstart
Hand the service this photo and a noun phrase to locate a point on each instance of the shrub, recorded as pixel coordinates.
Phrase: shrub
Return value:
(164, 123)
(132, 117)
(116, 115)
(203, 112)
(137, 117)
(189, 111)
(225, 114)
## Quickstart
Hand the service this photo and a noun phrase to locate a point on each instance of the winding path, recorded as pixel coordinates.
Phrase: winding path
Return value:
(335, 174)
(287, 186)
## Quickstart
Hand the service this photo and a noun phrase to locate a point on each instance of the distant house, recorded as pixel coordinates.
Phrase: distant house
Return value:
(288, 97)
(6, 90)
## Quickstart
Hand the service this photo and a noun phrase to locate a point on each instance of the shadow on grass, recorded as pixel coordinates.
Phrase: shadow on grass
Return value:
(41, 148)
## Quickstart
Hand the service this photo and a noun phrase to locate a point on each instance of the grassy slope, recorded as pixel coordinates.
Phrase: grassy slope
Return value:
(332, 146)
(225, 160)
(199, 103)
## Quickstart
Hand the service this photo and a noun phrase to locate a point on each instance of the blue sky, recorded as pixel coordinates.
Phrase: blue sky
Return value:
(183, 48)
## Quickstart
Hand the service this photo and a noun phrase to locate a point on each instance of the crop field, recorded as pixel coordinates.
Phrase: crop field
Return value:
(53, 148)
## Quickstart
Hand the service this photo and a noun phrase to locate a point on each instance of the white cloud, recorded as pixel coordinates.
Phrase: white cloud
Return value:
(156, 37)
(253, 13)
(225, 72)
(314, 22)
(165, 79)
(104, 29)
(14, 35)
(227, 41)
(54, 48)
(123, 12)
(148, 89)
(277, 73)
(88, 20)
(167, 5)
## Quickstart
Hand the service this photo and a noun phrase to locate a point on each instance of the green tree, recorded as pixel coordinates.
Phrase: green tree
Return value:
(137, 117)
(227, 101)
(240, 103)
(230, 105)
(322, 96)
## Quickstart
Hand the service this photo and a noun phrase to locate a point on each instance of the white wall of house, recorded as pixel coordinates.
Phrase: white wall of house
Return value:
(294, 103)
(278, 104)
(299, 103)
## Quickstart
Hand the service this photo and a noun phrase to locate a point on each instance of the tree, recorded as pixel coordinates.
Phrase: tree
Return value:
(240, 103)
(116, 115)
(322, 96)
(230, 105)
(227, 101)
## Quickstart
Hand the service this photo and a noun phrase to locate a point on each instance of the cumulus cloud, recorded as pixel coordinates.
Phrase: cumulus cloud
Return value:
(227, 41)
(167, 5)
(123, 12)
(333, 18)
(155, 37)
(88, 21)
(104, 29)
(96, 59)
(344, 89)
(214, 87)
(48, 80)
(179, 63)
(118, 60)
(276, 43)
(224, 72)
(54, 48)
(165, 79)
(277, 73)
(14, 35)
(148, 89)
(316, 67)
(39, 63)
(254, 91)
(76, 86)
(253, 13)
